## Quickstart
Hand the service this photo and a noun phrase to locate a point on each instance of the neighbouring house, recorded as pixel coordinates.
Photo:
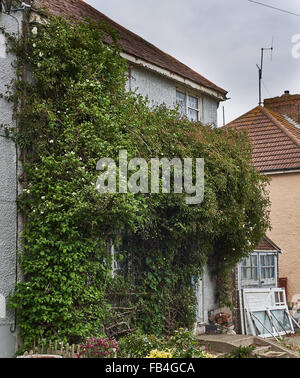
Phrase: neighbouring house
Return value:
(151, 72)
(274, 130)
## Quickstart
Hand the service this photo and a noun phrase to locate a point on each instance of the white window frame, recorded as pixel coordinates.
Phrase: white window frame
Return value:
(187, 107)
(275, 301)
(260, 284)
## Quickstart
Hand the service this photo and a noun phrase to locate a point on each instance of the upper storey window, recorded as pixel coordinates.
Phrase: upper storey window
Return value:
(188, 105)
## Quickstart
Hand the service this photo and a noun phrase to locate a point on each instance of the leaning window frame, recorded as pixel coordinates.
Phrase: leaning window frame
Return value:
(189, 93)
(259, 286)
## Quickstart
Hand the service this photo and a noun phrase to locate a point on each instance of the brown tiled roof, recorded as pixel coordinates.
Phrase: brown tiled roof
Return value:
(130, 42)
(275, 141)
(266, 244)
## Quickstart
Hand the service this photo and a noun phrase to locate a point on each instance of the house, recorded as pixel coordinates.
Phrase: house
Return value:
(151, 72)
(274, 130)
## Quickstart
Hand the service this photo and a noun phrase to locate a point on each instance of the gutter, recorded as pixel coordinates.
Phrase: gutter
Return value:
(282, 171)
(268, 251)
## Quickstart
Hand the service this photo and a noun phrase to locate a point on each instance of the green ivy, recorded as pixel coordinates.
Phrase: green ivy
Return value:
(73, 109)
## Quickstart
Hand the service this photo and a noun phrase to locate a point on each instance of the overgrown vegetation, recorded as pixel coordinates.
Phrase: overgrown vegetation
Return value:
(182, 344)
(74, 111)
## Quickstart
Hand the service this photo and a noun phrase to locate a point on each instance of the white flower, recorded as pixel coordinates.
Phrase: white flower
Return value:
(34, 45)
(43, 198)
(34, 30)
(51, 141)
(41, 54)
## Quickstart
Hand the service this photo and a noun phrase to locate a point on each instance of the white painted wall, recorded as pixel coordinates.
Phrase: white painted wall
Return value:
(162, 90)
(8, 195)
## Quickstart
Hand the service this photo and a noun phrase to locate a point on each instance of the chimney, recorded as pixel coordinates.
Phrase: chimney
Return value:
(287, 105)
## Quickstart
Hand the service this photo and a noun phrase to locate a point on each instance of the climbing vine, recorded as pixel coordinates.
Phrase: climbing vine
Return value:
(73, 109)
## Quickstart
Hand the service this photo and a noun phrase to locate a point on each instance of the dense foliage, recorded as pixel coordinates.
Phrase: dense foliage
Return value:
(73, 109)
(182, 344)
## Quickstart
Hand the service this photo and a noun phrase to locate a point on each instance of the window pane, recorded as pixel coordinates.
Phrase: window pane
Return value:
(181, 101)
(254, 260)
(245, 273)
(262, 322)
(193, 115)
(281, 320)
(193, 102)
(254, 274)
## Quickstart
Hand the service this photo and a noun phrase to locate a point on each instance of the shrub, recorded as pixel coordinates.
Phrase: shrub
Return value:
(182, 344)
(185, 344)
(160, 354)
(98, 348)
(138, 345)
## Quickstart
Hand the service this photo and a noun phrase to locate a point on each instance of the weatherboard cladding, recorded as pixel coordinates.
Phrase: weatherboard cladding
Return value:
(130, 42)
(275, 141)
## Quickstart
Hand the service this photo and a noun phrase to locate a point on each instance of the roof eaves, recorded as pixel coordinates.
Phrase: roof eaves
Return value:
(283, 170)
(135, 60)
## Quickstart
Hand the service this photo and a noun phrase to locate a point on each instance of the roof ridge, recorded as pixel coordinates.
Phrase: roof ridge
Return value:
(277, 123)
(240, 117)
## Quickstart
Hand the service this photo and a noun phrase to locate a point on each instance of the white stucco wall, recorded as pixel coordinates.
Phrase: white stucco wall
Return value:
(8, 194)
(162, 90)
(210, 111)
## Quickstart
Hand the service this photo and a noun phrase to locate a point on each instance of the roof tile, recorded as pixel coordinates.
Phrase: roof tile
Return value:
(275, 141)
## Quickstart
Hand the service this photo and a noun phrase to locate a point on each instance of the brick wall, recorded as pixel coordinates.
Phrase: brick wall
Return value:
(286, 104)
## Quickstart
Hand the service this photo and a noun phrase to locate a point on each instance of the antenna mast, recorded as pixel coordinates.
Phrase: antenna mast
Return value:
(260, 69)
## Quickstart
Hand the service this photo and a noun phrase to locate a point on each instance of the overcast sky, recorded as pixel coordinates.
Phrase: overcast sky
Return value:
(220, 39)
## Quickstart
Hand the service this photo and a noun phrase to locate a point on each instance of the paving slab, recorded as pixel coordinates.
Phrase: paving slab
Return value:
(265, 348)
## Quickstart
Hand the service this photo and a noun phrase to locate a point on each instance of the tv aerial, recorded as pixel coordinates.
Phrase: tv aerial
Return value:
(260, 68)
